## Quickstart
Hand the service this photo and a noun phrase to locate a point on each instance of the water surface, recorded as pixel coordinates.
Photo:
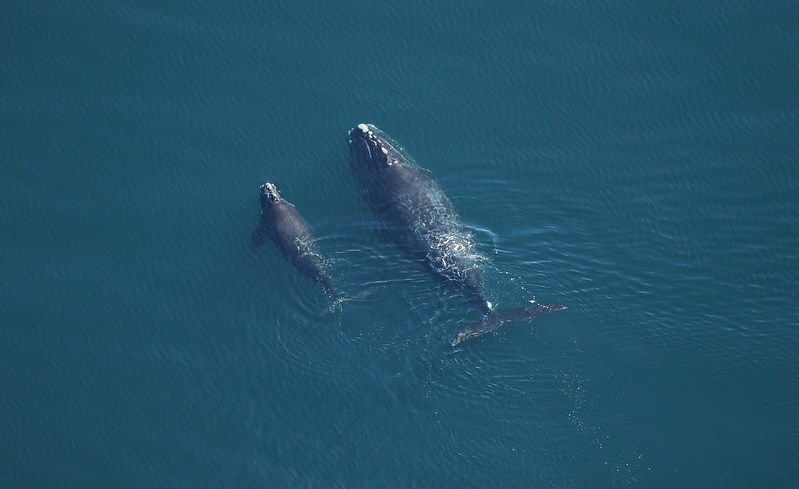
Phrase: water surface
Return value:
(633, 160)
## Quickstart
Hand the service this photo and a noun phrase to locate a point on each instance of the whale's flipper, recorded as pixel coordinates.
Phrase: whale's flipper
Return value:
(335, 304)
(259, 235)
(494, 319)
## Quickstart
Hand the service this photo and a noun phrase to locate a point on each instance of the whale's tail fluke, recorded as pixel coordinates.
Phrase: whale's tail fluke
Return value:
(494, 319)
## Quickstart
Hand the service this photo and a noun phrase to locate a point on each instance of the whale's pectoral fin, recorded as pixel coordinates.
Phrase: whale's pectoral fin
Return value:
(336, 303)
(493, 320)
(258, 236)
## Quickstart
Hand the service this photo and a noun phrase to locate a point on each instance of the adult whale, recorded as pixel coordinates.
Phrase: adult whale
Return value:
(283, 224)
(408, 199)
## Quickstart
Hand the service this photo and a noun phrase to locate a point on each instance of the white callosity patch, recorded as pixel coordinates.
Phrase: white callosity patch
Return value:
(363, 127)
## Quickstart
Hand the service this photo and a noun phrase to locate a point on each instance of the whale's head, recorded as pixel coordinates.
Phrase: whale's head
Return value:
(370, 149)
(269, 195)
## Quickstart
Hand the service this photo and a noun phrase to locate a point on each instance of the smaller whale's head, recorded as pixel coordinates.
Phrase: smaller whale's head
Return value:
(371, 149)
(269, 195)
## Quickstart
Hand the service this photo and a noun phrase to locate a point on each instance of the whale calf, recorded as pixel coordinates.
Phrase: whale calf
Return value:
(409, 201)
(283, 224)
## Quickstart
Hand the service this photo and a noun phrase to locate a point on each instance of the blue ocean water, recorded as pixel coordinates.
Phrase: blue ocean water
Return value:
(636, 161)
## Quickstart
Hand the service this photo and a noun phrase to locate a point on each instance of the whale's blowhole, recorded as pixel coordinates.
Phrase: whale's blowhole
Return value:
(269, 190)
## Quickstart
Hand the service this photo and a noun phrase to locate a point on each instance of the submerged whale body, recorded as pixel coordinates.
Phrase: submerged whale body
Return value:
(410, 202)
(291, 234)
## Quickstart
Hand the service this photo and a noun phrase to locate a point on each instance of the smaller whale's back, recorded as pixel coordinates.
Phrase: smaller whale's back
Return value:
(291, 234)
